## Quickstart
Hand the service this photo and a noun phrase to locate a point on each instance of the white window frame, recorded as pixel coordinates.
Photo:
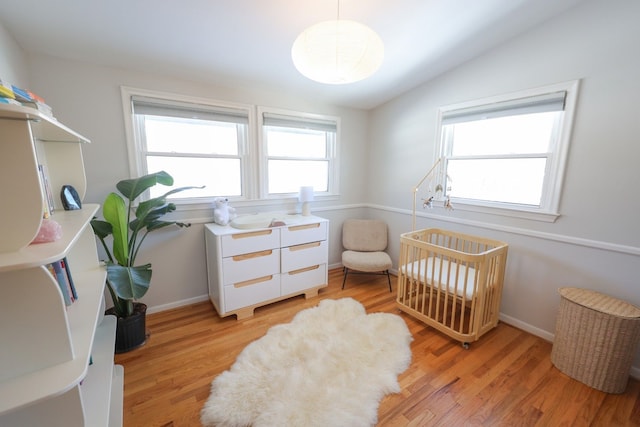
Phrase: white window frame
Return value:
(548, 210)
(332, 149)
(253, 163)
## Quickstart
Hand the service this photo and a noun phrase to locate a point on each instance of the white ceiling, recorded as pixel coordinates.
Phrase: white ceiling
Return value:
(248, 42)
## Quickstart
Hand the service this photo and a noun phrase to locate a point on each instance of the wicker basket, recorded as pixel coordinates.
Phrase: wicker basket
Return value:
(596, 339)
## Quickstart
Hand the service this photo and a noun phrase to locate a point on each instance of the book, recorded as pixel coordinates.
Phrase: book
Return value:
(58, 273)
(4, 100)
(21, 94)
(6, 91)
(72, 287)
(40, 106)
(46, 186)
(36, 97)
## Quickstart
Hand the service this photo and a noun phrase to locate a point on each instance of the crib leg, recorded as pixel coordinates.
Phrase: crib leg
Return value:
(465, 345)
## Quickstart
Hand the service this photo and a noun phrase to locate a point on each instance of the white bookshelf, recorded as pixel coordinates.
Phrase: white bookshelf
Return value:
(45, 347)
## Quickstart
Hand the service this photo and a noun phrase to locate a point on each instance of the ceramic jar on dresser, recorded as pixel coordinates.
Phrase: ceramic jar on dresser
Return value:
(249, 268)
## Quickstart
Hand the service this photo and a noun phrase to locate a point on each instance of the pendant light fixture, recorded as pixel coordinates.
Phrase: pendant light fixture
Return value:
(338, 52)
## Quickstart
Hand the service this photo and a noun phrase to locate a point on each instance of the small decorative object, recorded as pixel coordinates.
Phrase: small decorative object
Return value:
(447, 204)
(436, 173)
(223, 213)
(70, 198)
(427, 203)
(277, 223)
(49, 231)
(305, 197)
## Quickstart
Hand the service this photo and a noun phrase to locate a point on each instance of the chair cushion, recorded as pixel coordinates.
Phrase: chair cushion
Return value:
(364, 235)
(366, 261)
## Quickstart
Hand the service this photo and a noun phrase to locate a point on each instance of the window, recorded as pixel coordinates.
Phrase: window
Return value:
(202, 142)
(197, 144)
(508, 153)
(299, 151)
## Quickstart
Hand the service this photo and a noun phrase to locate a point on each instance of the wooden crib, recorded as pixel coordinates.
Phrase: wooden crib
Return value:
(451, 281)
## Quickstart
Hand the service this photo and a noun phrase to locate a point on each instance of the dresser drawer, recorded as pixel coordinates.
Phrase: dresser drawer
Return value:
(300, 256)
(252, 241)
(305, 278)
(243, 267)
(299, 234)
(250, 292)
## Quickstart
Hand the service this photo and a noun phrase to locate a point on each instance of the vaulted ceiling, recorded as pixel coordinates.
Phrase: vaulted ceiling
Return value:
(248, 42)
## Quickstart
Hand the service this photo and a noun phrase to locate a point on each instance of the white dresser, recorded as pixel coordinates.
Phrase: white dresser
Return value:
(251, 268)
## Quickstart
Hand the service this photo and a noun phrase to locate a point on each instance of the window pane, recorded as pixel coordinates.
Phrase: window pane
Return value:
(287, 176)
(289, 142)
(179, 135)
(529, 133)
(222, 177)
(499, 180)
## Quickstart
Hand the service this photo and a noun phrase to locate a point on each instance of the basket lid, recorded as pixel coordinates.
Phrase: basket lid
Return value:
(600, 302)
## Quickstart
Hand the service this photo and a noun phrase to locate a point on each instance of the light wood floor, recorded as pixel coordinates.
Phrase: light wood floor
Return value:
(506, 378)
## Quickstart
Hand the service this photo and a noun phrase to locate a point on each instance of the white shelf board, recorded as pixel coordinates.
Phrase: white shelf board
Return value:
(72, 223)
(55, 380)
(44, 127)
(117, 392)
(96, 386)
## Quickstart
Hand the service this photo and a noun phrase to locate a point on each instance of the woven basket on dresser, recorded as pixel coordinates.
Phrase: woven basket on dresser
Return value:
(596, 339)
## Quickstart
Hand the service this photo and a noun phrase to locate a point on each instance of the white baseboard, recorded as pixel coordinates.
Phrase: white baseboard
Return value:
(545, 335)
(176, 304)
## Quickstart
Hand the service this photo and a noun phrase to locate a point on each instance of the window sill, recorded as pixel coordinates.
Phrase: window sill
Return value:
(529, 214)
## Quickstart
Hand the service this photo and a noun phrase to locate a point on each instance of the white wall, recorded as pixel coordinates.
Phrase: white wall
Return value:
(595, 244)
(13, 65)
(87, 98)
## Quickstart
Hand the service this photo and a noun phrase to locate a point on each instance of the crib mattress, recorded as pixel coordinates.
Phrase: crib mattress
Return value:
(454, 276)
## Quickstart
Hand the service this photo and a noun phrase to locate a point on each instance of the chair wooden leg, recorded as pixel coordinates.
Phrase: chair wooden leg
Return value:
(346, 270)
(389, 280)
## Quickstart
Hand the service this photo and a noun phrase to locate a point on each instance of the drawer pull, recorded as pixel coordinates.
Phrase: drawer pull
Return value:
(304, 227)
(244, 257)
(252, 281)
(304, 270)
(303, 247)
(251, 234)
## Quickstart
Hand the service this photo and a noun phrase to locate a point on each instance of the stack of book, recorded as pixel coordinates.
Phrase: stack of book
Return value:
(60, 271)
(11, 94)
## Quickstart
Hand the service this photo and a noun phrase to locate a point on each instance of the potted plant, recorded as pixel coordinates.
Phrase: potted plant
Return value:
(126, 281)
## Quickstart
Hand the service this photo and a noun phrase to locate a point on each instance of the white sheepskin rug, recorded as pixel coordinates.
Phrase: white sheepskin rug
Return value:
(330, 366)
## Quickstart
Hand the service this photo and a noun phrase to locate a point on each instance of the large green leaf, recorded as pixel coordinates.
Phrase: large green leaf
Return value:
(115, 212)
(102, 229)
(158, 206)
(129, 282)
(132, 188)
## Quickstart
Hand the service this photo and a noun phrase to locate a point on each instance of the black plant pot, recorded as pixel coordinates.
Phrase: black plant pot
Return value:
(131, 331)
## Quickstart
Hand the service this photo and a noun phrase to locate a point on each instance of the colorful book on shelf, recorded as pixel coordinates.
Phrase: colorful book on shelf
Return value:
(40, 106)
(6, 91)
(46, 186)
(72, 286)
(21, 94)
(4, 100)
(36, 97)
(58, 273)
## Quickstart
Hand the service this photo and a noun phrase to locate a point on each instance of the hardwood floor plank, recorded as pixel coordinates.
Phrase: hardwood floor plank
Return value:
(504, 379)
